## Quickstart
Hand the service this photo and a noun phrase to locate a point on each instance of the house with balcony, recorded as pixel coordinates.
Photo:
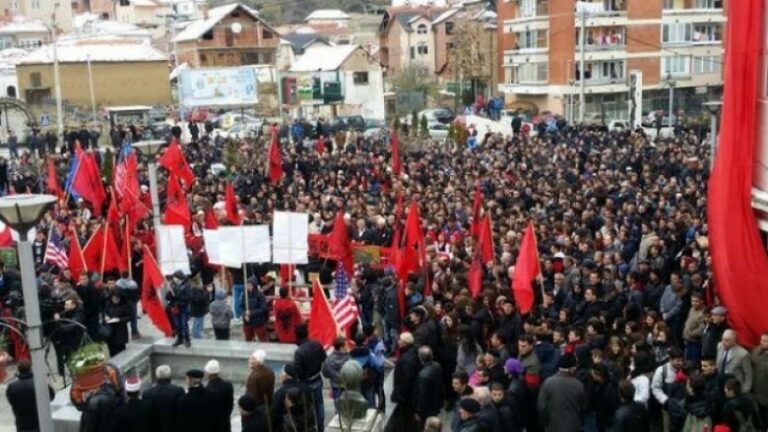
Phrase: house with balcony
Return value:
(661, 43)
(340, 80)
(230, 35)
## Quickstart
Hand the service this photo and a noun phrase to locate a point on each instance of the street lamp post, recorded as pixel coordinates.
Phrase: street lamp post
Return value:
(671, 83)
(57, 78)
(21, 213)
(714, 111)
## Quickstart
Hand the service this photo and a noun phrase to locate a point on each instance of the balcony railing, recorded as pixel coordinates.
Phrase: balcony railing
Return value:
(605, 47)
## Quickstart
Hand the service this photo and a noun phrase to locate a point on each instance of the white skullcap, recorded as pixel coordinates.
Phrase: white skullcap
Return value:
(163, 372)
(259, 355)
(212, 367)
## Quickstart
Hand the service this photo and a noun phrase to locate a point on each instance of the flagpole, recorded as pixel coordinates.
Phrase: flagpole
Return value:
(128, 245)
(104, 251)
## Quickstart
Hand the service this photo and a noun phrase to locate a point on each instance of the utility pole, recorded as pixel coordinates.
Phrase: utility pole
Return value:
(671, 84)
(57, 78)
(582, 41)
(90, 84)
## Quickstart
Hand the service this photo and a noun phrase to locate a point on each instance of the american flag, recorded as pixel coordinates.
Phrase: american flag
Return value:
(54, 252)
(344, 306)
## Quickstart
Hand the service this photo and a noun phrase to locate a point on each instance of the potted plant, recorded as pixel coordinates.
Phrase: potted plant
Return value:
(86, 365)
(5, 358)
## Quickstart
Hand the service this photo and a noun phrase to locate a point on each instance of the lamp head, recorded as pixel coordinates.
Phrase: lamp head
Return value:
(713, 107)
(22, 212)
(148, 148)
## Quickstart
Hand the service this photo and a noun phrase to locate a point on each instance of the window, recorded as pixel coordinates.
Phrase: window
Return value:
(707, 64)
(360, 78)
(421, 29)
(676, 65)
(529, 73)
(229, 37)
(676, 33)
(422, 49)
(6, 43)
(709, 4)
(532, 39)
(36, 4)
(11, 91)
(527, 8)
(450, 46)
(706, 33)
(669, 4)
(611, 70)
(208, 35)
(449, 27)
(413, 53)
(35, 79)
(266, 34)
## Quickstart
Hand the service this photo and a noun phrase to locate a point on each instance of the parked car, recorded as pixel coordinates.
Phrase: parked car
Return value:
(227, 120)
(438, 131)
(344, 123)
(239, 131)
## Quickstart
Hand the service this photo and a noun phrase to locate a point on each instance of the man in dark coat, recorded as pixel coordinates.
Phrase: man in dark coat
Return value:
(469, 421)
(261, 381)
(308, 360)
(193, 411)
(134, 416)
(562, 399)
(713, 332)
(631, 416)
(178, 305)
(406, 370)
(20, 394)
(163, 398)
(252, 418)
(428, 391)
(289, 381)
(225, 396)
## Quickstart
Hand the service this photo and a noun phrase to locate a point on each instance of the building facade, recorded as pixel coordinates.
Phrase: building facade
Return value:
(231, 35)
(663, 43)
(50, 12)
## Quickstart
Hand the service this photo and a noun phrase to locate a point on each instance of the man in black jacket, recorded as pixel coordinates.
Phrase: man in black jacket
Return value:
(163, 398)
(428, 387)
(21, 396)
(631, 416)
(224, 393)
(134, 416)
(178, 306)
(391, 314)
(308, 360)
(406, 370)
(193, 412)
(289, 381)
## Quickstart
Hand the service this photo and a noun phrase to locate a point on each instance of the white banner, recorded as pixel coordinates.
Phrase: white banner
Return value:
(244, 244)
(211, 239)
(173, 250)
(289, 238)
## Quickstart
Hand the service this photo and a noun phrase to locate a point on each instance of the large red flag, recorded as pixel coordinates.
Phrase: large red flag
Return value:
(230, 203)
(87, 182)
(176, 208)
(475, 277)
(397, 166)
(738, 253)
(152, 280)
(322, 326)
(485, 240)
(101, 253)
(174, 161)
(399, 281)
(527, 269)
(275, 160)
(76, 259)
(414, 254)
(126, 186)
(92, 250)
(211, 223)
(339, 245)
(53, 182)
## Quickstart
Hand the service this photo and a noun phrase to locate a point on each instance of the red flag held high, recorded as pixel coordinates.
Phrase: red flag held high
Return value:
(414, 254)
(397, 166)
(475, 277)
(275, 160)
(211, 223)
(396, 260)
(76, 258)
(126, 185)
(53, 182)
(176, 208)
(87, 182)
(174, 161)
(485, 240)
(152, 280)
(101, 252)
(322, 326)
(339, 245)
(230, 203)
(527, 269)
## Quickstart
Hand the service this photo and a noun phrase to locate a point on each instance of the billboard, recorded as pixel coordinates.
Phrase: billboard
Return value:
(219, 86)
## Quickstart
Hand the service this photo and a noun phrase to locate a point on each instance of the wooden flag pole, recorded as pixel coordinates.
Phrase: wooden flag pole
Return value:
(245, 288)
(104, 252)
(128, 245)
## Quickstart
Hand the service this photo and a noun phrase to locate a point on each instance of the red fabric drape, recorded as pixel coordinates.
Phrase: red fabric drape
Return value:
(152, 280)
(527, 269)
(739, 259)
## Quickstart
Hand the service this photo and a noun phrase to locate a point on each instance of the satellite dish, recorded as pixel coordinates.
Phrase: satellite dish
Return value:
(237, 27)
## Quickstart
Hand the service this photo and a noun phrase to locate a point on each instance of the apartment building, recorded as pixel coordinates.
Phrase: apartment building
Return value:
(50, 12)
(658, 43)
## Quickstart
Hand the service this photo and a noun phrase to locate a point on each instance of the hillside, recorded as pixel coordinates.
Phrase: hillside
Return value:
(278, 12)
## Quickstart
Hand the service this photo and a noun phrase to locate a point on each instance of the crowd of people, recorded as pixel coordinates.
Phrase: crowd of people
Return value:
(627, 332)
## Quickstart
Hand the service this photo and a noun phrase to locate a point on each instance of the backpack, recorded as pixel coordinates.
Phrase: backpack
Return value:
(199, 301)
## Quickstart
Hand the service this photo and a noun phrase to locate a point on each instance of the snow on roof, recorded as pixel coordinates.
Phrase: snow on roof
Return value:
(196, 29)
(20, 25)
(323, 58)
(445, 15)
(396, 3)
(327, 14)
(144, 3)
(96, 52)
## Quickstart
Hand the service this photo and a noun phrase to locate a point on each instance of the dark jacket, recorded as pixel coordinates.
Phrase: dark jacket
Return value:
(308, 360)
(225, 396)
(711, 337)
(134, 416)
(181, 295)
(257, 308)
(562, 403)
(548, 355)
(406, 370)
(429, 390)
(193, 412)
(631, 417)
(278, 408)
(473, 425)
(255, 422)
(21, 396)
(391, 307)
(163, 398)
(261, 385)
(737, 410)
(510, 419)
(121, 311)
(490, 417)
